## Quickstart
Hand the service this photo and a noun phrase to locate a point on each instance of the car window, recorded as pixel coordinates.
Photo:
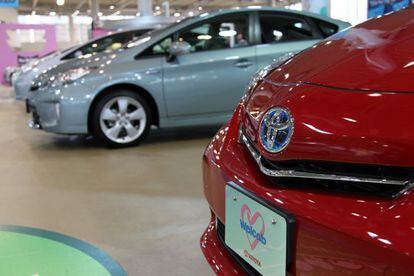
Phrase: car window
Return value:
(277, 28)
(162, 47)
(326, 28)
(221, 33)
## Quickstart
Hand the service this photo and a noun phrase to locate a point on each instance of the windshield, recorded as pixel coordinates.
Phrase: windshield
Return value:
(107, 43)
(139, 40)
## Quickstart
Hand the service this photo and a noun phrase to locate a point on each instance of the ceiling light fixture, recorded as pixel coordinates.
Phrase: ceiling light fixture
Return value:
(60, 2)
(75, 13)
(52, 13)
(177, 14)
(111, 7)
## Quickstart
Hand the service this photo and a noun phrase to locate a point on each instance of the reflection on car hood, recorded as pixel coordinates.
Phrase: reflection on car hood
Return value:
(95, 60)
(376, 55)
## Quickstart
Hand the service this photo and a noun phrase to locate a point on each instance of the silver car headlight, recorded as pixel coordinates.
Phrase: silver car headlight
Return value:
(262, 74)
(70, 76)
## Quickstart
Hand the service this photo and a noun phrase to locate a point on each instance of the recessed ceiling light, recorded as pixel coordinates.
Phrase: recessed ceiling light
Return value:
(60, 2)
(52, 13)
(33, 12)
(177, 14)
(100, 13)
(111, 7)
(157, 8)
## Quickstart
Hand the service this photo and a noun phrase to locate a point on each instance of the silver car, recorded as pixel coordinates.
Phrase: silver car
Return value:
(190, 73)
(22, 79)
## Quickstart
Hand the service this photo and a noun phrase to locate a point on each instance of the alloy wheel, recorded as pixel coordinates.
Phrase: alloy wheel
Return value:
(123, 119)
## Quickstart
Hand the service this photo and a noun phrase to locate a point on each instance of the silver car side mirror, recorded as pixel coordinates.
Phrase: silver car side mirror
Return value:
(179, 48)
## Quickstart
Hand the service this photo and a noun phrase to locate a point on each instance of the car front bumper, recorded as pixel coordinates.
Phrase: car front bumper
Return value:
(217, 254)
(21, 85)
(333, 233)
(62, 110)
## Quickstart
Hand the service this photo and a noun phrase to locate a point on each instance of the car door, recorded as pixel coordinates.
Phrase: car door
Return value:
(283, 33)
(211, 79)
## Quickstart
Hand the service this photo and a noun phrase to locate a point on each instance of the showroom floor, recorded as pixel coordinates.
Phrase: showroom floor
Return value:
(144, 206)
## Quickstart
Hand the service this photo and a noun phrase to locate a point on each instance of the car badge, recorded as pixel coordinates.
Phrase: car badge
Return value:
(276, 129)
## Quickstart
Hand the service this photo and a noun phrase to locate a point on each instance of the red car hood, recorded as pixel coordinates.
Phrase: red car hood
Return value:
(375, 56)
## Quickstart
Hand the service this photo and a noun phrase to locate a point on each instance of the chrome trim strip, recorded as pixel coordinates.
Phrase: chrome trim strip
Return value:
(298, 174)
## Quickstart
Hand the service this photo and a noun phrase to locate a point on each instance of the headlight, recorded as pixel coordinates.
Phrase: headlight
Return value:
(262, 74)
(70, 76)
(29, 66)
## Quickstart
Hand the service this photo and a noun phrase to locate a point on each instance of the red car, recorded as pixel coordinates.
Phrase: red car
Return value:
(313, 174)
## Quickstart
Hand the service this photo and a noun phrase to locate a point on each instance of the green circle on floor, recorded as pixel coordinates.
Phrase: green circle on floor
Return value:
(36, 252)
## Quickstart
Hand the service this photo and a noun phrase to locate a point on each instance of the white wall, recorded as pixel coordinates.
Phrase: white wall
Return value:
(8, 15)
(65, 34)
(352, 11)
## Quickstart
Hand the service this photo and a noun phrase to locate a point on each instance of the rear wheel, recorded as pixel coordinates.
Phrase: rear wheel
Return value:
(121, 119)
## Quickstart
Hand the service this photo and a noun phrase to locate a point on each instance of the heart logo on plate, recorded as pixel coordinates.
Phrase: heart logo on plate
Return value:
(255, 219)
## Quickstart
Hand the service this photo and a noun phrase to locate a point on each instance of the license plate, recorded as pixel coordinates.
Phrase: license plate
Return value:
(258, 233)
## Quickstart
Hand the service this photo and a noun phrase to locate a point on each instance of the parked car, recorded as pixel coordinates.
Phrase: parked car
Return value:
(24, 77)
(191, 73)
(314, 173)
(8, 74)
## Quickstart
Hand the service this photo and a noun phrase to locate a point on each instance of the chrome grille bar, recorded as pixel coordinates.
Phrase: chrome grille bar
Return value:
(300, 174)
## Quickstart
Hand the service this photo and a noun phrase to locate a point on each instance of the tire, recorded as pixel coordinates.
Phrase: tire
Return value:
(121, 118)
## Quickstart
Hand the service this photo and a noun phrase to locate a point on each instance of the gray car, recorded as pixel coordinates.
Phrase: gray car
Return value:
(190, 73)
(22, 78)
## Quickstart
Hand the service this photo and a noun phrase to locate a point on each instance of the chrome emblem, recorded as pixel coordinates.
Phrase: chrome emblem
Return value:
(276, 129)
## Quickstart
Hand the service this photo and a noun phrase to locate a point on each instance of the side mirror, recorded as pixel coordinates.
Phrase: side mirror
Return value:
(179, 48)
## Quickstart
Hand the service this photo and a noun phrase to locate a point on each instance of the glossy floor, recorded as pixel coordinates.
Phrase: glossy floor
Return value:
(143, 206)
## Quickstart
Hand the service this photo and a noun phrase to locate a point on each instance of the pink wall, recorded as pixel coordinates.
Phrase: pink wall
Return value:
(9, 58)
(98, 32)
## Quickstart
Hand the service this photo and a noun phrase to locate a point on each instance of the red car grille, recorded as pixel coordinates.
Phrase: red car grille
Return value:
(372, 180)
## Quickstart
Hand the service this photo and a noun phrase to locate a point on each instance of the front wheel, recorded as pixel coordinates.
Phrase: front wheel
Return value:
(121, 119)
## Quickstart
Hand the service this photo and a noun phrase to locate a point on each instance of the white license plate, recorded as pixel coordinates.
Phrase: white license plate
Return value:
(255, 232)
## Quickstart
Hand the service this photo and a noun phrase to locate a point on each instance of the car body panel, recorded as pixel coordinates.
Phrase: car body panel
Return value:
(197, 77)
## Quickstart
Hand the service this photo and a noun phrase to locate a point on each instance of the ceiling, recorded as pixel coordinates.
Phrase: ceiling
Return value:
(129, 7)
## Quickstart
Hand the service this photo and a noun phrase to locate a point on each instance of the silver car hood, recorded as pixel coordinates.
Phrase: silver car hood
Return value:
(89, 61)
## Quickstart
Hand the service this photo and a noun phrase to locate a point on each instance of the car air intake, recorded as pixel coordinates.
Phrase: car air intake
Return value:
(374, 180)
(34, 87)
